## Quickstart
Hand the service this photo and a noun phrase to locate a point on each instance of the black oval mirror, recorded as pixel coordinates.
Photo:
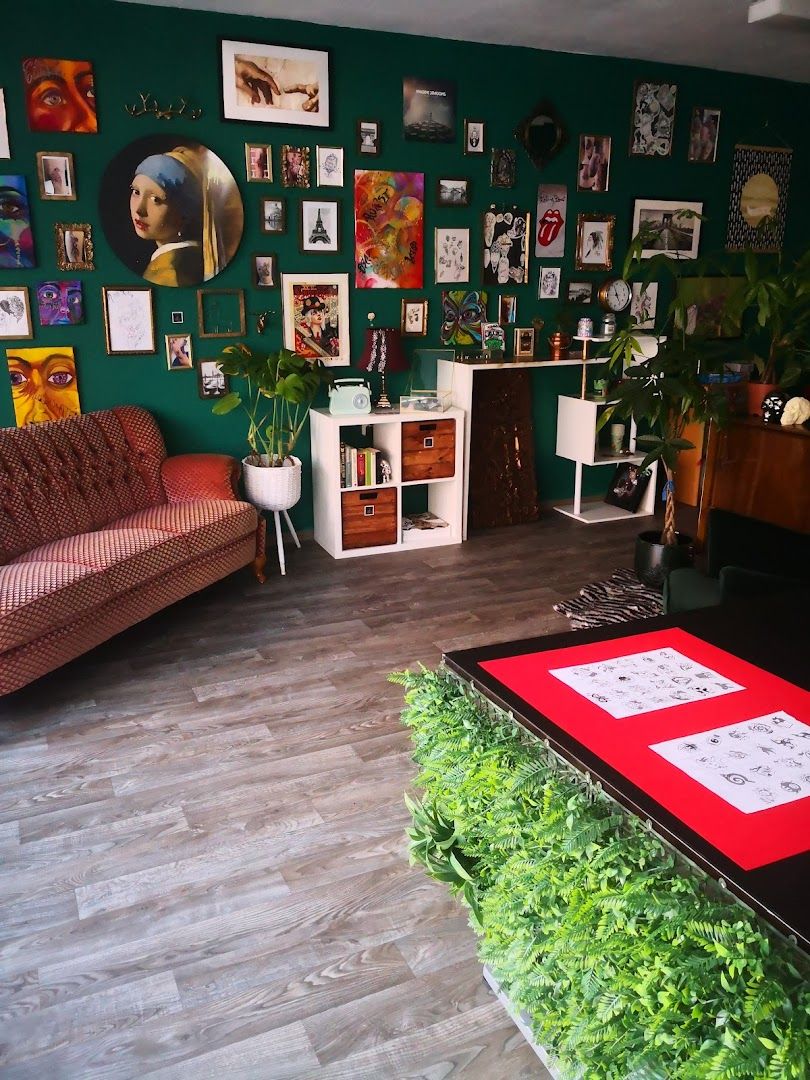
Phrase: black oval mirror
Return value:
(542, 134)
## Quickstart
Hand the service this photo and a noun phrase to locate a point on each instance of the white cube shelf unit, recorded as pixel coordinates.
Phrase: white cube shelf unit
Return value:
(577, 440)
(334, 509)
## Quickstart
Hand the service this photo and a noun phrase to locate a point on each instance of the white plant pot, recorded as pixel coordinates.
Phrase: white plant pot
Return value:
(273, 488)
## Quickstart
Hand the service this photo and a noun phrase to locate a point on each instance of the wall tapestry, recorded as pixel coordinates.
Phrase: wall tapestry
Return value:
(389, 210)
(428, 110)
(16, 238)
(552, 207)
(463, 310)
(760, 179)
(60, 95)
(171, 210)
(43, 384)
(653, 119)
(506, 256)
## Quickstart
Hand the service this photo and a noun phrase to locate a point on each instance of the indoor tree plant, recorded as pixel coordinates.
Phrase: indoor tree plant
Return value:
(278, 394)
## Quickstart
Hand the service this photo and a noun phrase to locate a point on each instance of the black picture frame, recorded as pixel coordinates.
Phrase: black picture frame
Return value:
(443, 200)
(627, 486)
(205, 392)
(306, 247)
(281, 224)
(368, 149)
(273, 259)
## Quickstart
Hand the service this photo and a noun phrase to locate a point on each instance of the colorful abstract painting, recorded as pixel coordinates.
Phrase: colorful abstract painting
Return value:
(463, 310)
(43, 384)
(389, 215)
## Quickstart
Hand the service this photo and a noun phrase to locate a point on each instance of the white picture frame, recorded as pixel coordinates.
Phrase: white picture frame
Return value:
(333, 291)
(129, 320)
(667, 215)
(548, 282)
(451, 256)
(643, 303)
(274, 84)
(15, 313)
(329, 166)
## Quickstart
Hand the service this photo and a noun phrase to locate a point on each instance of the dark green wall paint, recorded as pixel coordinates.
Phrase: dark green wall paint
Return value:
(172, 54)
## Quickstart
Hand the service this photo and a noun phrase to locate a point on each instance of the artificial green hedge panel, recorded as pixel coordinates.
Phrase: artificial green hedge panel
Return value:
(627, 961)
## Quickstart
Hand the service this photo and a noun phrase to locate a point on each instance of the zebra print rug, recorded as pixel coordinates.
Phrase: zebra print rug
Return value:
(619, 599)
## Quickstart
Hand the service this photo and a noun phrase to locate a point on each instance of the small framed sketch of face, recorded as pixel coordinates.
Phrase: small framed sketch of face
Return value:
(524, 341)
(329, 165)
(413, 318)
(580, 292)
(265, 271)
(55, 175)
(368, 137)
(453, 191)
(320, 225)
(178, 352)
(258, 162)
(595, 241)
(15, 312)
(274, 216)
(474, 137)
(294, 166)
(507, 310)
(74, 245)
(212, 382)
(548, 284)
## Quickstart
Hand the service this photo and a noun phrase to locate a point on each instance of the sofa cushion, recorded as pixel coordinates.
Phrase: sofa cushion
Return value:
(207, 524)
(38, 597)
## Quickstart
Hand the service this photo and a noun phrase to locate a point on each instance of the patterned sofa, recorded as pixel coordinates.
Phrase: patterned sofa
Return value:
(100, 529)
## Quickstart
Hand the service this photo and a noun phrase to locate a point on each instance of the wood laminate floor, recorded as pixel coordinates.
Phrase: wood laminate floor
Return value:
(202, 859)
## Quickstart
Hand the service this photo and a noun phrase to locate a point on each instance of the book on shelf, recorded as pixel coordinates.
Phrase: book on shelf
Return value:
(363, 467)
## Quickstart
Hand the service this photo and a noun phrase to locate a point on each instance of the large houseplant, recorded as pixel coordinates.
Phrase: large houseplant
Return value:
(279, 388)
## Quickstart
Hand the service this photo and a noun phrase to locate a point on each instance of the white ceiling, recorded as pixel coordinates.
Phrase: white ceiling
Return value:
(702, 33)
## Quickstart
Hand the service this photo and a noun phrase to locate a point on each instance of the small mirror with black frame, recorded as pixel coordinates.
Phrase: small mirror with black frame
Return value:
(542, 134)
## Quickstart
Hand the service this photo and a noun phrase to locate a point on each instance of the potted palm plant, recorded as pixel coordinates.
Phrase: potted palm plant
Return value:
(277, 396)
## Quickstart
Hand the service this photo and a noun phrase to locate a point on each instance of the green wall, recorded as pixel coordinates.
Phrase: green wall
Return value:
(172, 54)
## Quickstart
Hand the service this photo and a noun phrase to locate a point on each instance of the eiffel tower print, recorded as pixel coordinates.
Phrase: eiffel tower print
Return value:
(319, 235)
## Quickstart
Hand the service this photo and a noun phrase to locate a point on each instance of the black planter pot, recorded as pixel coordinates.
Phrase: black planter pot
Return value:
(655, 560)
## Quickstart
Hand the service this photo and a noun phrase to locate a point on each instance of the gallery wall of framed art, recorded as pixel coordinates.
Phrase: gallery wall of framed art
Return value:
(435, 135)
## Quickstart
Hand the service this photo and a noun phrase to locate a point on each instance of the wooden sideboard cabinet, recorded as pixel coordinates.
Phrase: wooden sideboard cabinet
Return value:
(760, 470)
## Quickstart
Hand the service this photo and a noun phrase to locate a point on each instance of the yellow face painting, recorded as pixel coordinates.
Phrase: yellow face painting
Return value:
(43, 384)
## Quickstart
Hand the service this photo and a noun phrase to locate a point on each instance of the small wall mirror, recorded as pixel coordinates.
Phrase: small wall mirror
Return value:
(542, 134)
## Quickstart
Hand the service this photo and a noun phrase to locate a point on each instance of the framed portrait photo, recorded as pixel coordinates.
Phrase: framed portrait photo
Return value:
(453, 191)
(316, 316)
(15, 312)
(474, 137)
(704, 132)
(595, 241)
(580, 292)
(273, 215)
(669, 227)
(212, 382)
(368, 137)
(274, 84)
(452, 255)
(548, 282)
(258, 163)
(74, 245)
(593, 170)
(179, 356)
(295, 166)
(523, 339)
(413, 318)
(329, 166)
(320, 225)
(55, 176)
(265, 271)
(129, 320)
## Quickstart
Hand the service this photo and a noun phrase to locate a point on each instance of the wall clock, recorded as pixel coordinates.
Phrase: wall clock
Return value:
(614, 294)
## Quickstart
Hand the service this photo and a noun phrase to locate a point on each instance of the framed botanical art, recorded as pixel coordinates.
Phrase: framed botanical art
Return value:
(15, 312)
(548, 283)
(329, 165)
(703, 135)
(653, 119)
(760, 181)
(74, 245)
(428, 110)
(507, 310)
(505, 240)
(44, 383)
(220, 313)
(643, 304)
(61, 303)
(669, 227)
(258, 162)
(593, 172)
(265, 271)
(316, 316)
(413, 318)
(59, 95)
(212, 382)
(580, 292)
(294, 166)
(273, 215)
(16, 237)
(179, 356)
(320, 225)
(523, 339)
(595, 241)
(368, 137)
(55, 176)
(129, 320)
(452, 255)
(474, 137)
(453, 191)
(274, 84)
(502, 166)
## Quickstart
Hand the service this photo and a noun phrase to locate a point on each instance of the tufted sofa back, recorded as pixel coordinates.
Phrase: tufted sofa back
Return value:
(76, 475)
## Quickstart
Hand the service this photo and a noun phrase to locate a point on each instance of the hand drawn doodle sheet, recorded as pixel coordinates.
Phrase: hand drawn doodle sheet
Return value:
(645, 681)
(753, 765)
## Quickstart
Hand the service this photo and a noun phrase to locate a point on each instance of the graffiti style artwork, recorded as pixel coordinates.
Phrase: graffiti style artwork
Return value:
(389, 214)
(463, 310)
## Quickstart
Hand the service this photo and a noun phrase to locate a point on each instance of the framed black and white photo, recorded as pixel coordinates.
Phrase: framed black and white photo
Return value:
(212, 382)
(274, 216)
(580, 292)
(179, 355)
(265, 271)
(548, 282)
(760, 181)
(258, 163)
(413, 318)
(474, 137)
(669, 227)
(368, 137)
(452, 255)
(653, 119)
(502, 168)
(595, 241)
(15, 312)
(129, 320)
(453, 191)
(704, 132)
(320, 225)
(643, 304)
(506, 253)
(55, 176)
(329, 166)
(523, 341)
(593, 171)
(274, 84)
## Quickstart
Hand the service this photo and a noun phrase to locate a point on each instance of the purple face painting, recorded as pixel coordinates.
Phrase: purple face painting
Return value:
(60, 303)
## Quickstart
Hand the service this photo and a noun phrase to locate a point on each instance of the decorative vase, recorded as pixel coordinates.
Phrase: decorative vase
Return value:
(273, 487)
(757, 392)
(654, 561)
(559, 343)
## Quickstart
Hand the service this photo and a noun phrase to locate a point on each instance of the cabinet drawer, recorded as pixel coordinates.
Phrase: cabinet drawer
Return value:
(428, 449)
(369, 518)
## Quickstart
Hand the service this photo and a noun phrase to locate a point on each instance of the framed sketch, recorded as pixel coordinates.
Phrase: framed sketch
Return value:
(329, 165)
(452, 255)
(548, 283)
(15, 312)
(580, 292)
(294, 166)
(593, 171)
(653, 119)
(595, 241)
(258, 162)
(274, 84)
(505, 256)
(5, 145)
(74, 245)
(315, 311)
(55, 176)
(368, 137)
(757, 209)
(704, 132)
(507, 310)
(220, 313)
(273, 215)
(320, 225)
(643, 303)
(502, 168)
(129, 320)
(474, 137)
(669, 227)
(523, 339)
(453, 191)
(179, 356)
(265, 271)
(212, 382)
(413, 318)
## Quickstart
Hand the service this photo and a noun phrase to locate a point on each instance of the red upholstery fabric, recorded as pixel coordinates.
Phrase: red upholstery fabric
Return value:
(37, 597)
(200, 476)
(205, 524)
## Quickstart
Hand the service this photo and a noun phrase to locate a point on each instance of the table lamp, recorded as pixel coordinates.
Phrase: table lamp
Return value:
(383, 353)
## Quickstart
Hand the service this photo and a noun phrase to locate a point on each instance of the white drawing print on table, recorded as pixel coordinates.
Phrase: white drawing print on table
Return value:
(750, 768)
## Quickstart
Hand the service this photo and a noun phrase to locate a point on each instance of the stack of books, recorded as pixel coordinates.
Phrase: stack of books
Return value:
(364, 467)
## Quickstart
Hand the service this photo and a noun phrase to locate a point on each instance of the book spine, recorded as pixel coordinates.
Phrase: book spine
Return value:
(343, 464)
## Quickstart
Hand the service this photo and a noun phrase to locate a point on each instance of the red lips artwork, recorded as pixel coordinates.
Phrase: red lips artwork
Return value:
(552, 203)
(549, 226)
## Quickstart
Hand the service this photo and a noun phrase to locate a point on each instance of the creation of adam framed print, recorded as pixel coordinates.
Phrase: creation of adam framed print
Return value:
(669, 227)
(129, 320)
(274, 84)
(316, 316)
(55, 175)
(413, 318)
(258, 162)
(15, 312)
(320, 225)
(595, 241)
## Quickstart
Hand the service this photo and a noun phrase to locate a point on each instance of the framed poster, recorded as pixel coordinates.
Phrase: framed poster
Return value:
(428, 110)
(274, 84)
(506, 254)
(669, 227)
(760, 181)
(653, 119)
(316, 316)
(703, 135)
(129, 320)
(452, 255)
(389, 210)
(552, 210)
(593, 173)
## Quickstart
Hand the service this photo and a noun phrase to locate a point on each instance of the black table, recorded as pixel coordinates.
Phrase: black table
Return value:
(771, 635)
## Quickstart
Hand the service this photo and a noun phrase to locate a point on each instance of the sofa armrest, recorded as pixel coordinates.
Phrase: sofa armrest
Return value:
(200, 476)
(740, 581)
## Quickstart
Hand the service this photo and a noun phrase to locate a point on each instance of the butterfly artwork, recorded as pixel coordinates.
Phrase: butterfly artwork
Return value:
(463, 310)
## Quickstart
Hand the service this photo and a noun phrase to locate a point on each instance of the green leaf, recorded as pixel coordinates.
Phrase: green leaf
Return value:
(226, 404)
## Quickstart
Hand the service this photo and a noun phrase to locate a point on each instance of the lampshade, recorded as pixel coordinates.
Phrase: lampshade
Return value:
(383, 351)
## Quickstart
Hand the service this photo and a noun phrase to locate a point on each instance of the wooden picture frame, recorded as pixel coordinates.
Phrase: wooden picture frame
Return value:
(258, 163)
(56, 176)
(413, 318)
(236, 302)
(507, 309)
(74, 245)
(179, 352)
(594, 248)
(523, 341)
(16, 323)
(129, 320)
(273, 216)
(295, 166)
(331, 294)
(249, 74)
